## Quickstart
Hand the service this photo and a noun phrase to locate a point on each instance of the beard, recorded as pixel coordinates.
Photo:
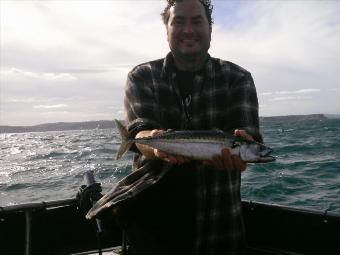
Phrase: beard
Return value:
(189, 49)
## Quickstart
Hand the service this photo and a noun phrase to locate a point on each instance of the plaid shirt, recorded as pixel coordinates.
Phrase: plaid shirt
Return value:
(223, 97)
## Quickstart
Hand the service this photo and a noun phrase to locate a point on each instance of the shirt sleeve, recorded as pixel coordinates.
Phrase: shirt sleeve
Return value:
(245, 107)
(140, 102)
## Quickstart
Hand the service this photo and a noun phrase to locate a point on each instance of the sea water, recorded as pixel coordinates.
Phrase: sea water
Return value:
(44, 166)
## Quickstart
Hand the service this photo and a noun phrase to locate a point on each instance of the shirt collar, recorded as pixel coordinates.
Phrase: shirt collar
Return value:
(169, 65)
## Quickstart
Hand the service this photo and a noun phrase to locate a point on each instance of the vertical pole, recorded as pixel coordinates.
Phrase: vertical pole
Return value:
(124, 242)
(89, 179)
(28, 220)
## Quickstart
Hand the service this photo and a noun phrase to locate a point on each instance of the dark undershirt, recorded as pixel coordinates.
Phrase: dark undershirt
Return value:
(185, 81)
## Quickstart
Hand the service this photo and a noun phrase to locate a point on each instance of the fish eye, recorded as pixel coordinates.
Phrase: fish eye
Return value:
(235, 144)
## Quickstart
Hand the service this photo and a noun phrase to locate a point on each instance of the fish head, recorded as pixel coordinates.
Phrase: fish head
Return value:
(255, 152)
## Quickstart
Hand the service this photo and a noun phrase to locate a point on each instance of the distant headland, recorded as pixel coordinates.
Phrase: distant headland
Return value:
(59, 126)
(105, 124)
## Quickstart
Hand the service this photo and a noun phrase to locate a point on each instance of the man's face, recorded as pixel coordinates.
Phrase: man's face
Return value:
(188, 29)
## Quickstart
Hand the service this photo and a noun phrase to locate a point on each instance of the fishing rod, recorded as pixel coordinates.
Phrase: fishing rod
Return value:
(90, 180)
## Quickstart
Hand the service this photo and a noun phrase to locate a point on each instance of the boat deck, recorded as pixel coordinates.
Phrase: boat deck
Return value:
(59, 227)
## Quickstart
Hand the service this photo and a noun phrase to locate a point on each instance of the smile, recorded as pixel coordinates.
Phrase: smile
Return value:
(189, 41)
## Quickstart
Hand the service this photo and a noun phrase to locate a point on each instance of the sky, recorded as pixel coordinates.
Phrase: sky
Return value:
(67, 61)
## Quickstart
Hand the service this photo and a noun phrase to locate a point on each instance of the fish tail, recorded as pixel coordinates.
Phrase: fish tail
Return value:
(127, 140)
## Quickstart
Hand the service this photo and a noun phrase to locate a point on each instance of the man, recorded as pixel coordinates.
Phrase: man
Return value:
(171, 204)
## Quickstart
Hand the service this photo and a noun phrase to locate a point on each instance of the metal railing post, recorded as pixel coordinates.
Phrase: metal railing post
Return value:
(28, 237)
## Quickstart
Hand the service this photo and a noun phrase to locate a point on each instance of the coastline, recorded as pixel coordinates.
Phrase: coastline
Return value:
(105, 124)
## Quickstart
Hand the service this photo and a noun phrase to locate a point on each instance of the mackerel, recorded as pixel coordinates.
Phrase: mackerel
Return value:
(198, 145)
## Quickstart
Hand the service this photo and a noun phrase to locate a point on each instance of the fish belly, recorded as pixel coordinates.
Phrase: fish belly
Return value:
(195, 150)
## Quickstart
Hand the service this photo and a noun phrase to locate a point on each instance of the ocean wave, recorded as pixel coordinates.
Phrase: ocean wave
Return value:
(51, 165)
(51, 155)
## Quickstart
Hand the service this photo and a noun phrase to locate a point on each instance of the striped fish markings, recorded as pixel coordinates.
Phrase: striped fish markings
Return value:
(198, 145)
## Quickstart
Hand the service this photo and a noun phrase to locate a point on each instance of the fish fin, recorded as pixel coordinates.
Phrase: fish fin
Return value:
(127, 141)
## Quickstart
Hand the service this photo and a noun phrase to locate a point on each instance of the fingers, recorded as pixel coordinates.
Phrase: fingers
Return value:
(238, 163)
(155, 132)
(181, 160)
(243, 133)
(226, 161)
(217, 162)
(173, 159)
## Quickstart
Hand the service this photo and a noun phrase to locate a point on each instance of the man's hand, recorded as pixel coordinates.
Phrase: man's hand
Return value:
(173, 159)
(228, 161)
(243, 133)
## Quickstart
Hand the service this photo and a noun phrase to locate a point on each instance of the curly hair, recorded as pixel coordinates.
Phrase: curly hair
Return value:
(208, 7)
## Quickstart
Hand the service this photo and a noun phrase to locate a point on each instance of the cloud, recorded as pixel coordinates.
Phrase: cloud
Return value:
(78, 53)
(290, 95)
(22, 100)
(300, 91)
(290, 47)
(20, 75)
(288, 30)
(50, 106)
(289, 98)
(41, 100)
(281, 42)
(85, 33)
